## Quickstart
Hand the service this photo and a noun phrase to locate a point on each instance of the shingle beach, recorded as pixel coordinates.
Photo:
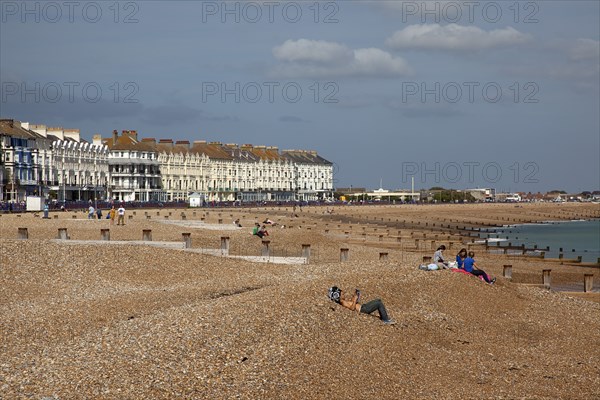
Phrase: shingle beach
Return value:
(82, 319)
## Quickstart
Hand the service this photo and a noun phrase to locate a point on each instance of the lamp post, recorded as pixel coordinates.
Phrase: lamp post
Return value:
(64, 181)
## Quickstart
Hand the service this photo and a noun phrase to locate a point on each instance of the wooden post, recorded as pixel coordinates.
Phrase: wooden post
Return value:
(55, 216)
(220, 221)
(381, 238)
(306, 252)
(344, 254)
(148, 216)
(588, 283)
(183, 217)
(158, 213)
(147, 235)
(73, 216)
(427, 259)
(224, 245)
(433, 245)
(507, 271)
(265, 248)
(130, 217)
(546, 278)
(383, 256)
(187, 239)
(23, 234)
(62, 234)
(398, 239)
(166, 217)
(105, 234)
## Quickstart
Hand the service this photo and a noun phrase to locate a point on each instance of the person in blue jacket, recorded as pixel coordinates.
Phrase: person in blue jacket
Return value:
(470, 266)
(460, 258)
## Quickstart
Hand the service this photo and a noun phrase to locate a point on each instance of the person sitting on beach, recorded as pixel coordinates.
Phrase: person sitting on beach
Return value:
(257, 231)
(269, 222)
(237, 223)
(460, 258)
(335, 294)
(471, 267)
(263, 230)
(438, 257)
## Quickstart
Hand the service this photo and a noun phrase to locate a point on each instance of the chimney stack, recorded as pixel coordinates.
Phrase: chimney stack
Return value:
(115, 136)
(168, 142)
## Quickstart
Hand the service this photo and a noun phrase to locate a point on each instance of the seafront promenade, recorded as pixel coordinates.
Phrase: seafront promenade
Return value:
(181, 303)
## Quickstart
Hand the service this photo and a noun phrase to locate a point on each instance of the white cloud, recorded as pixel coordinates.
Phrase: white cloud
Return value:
(304, 50)
(585, 49)
(305, 58)
(454, 37)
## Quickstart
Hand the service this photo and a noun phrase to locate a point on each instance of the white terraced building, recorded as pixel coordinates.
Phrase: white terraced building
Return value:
(78, 170)
(58, 164)
(228, 172)
(50, 162)
(134, 172)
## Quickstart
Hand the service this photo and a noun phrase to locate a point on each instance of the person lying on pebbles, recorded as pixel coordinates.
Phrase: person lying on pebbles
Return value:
(335, 294)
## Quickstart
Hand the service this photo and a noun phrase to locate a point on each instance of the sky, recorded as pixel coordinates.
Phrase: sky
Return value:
(457, 94)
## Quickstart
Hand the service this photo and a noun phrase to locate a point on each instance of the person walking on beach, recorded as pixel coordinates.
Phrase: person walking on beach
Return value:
(121, 212)
(335, 294)
(471, 267)
(112, 214)
(438, 257)
(91, 212)
(460, 258)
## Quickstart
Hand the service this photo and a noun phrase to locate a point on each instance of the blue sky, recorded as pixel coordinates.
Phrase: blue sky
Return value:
(453, 93)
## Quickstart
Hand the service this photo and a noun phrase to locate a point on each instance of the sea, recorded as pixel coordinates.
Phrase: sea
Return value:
(576, 238)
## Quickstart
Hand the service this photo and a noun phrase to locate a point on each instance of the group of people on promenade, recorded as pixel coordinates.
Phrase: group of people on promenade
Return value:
(464, 261)
(112, 214)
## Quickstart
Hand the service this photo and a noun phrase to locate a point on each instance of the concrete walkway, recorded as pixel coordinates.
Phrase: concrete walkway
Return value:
(181, 246)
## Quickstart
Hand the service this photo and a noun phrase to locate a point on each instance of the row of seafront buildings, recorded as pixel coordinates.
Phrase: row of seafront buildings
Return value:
(56, 163)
